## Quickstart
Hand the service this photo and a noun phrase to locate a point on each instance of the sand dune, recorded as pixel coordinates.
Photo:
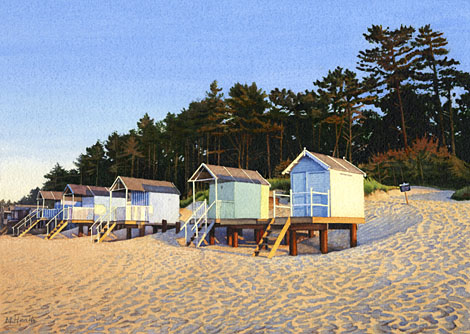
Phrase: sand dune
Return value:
(410, 273)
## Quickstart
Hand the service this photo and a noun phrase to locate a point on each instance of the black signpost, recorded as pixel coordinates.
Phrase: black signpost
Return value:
(404, 187)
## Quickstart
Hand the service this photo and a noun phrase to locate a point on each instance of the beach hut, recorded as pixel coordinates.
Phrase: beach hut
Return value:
(144, 201)
(324, 186)
(48, 203)
(85, 203)
(234, 193)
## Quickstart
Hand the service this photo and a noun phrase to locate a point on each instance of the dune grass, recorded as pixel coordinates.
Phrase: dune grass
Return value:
(462, 194)
(371, 185)
(280, 184)
(200, 196)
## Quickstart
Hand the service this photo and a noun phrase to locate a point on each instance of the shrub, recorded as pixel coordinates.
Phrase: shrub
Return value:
(280, 184)
(462, 194)
(200, 196)
(371, 185)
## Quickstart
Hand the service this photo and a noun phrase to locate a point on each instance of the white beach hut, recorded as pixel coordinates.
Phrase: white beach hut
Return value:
(324, 186)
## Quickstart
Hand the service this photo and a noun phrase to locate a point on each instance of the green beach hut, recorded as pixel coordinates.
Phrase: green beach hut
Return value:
(234, 193)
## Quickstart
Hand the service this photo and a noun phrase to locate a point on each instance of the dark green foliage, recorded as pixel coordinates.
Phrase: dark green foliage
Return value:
(280, 184)
(462, 194)
(200, 196)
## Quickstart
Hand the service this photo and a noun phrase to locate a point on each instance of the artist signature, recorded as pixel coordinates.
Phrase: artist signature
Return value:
(17, 319)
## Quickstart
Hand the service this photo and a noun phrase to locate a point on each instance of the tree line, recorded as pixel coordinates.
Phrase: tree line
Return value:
(405, 88)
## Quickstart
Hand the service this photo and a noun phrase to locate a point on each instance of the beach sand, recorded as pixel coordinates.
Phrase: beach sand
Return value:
(410, 273)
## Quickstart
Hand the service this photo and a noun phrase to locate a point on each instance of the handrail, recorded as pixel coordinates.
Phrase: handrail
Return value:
(192, 217)
(100, 221)
(292, 204)
(24, 221)
(54, 219)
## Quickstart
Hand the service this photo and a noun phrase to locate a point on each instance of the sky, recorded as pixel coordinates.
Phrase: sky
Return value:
(72, 72)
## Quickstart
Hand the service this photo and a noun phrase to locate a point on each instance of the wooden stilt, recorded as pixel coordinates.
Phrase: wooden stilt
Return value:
(235, 237)
(353, 235)
(178, 227)
(155, 228)
(129, 233)
(164, 226)
(229, 236)
(311, 233)
(256, 235)
(293, 243)
(212, 236)
(142, 231)
(324, 241)
(80, 230)
(287, 239)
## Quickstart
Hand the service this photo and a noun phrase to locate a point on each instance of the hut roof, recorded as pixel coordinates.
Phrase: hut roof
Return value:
(327, 161)
(135, 184)
(86, 191)
(50, 195)
(227, 174)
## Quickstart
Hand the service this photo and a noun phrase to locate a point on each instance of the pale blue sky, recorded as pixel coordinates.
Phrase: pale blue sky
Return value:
(71, 72)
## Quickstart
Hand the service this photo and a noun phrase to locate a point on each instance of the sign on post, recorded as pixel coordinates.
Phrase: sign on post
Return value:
(404, 187)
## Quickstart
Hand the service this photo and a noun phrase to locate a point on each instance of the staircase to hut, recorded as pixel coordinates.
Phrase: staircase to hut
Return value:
(57, 229)
(4, 230)
(104, 232)
(26, 224)
(271, 238)
(198, 226)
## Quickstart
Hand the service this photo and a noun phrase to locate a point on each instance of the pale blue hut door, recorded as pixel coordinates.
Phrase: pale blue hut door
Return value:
(299, 193)
(318, 182)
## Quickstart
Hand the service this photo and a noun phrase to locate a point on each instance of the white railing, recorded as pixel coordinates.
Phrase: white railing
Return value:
(132, 212)
(98, 225)
(54, 220)
(289, 206)
(199, 219)
(311, 203)
(25, 220)
(80, 213)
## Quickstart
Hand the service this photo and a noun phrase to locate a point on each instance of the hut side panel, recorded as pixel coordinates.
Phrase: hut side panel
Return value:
(264, 202)
(164, 207)
(347, 194)
(247, 200)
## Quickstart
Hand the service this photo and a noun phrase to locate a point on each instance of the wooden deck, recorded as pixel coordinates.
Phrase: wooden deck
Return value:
(309, 224)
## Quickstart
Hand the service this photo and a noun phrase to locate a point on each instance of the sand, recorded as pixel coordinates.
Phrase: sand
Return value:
(410, 273)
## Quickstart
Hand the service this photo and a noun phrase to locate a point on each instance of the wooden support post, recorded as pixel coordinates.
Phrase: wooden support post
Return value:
(129, 233)
(88, 232)
(212, 236)
(235, 237)
(178, 227)
(293, 243)
(164, 225)
(311, 233)
(80, 230)
(287, 239)
(256, 234)
(142, 231)
(324, 241)
(229, 236)
(155, 228)
(353, 235)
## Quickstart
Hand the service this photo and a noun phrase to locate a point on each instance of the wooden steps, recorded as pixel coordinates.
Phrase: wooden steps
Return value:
(57, 229)
(29, 228)
(264, 242)
(4, 230)
(105, 232)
